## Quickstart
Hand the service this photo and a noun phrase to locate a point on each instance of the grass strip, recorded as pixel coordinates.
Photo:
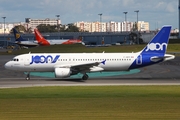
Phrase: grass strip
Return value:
(78, 48)
(90, 102)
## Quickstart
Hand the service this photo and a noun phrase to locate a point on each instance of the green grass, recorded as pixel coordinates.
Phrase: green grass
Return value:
(88, 102)
(78, 48)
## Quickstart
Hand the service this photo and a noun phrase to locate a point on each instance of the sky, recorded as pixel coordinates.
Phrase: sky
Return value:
(156, 12)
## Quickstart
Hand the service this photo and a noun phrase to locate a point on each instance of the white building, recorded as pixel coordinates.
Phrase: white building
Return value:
(126, 26)
(83, 26)
(33, 23)
(8, 27)
(91, 26)
(143, 26)
(106, 27)
(113, 26)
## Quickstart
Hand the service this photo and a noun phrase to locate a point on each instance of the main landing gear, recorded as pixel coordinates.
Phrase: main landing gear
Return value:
(28, 76)
(85, 77)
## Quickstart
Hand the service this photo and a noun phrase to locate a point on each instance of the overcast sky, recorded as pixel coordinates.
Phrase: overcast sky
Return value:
(156, 12)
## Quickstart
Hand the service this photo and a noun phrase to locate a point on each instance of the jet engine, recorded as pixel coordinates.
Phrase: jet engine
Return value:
(62, 72)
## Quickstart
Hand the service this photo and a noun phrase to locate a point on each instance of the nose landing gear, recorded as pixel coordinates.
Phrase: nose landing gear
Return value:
(28, 76)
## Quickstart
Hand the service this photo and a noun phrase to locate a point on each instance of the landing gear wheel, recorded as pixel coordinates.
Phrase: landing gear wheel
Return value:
(85, 77)
(28, 76)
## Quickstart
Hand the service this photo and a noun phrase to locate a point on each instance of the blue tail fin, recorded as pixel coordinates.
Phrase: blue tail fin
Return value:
(155, 50)
(17, 36)
(158, 44)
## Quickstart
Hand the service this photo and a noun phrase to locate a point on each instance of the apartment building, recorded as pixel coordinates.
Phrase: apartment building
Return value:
(97, 26)
(91, 26)
(111, 26)
(143, 26)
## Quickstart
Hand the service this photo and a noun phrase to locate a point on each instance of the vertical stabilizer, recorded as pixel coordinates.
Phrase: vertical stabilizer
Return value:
(158, 44)
(155, 50)
(40, 39)
(17, 36)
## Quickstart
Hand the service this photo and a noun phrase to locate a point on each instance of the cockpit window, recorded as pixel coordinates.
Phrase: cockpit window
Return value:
(15, 59)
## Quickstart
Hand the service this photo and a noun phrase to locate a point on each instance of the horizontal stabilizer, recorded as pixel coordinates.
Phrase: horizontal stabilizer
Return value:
(164, 58)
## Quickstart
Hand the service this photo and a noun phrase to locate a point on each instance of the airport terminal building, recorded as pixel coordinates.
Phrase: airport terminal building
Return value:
(89, 38)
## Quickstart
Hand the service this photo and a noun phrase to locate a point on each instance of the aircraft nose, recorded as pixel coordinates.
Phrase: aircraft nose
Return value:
(7, 65)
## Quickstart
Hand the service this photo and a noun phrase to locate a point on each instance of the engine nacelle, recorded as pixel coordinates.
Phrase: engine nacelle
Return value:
(62, 72)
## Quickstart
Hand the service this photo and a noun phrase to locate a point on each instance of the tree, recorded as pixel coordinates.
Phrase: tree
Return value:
(71, 28)
(47, 28)
(135, 28)
(134, 36)
(19, 28)
(29, 30)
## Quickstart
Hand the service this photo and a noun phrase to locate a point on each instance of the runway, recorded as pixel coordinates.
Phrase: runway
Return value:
(167, 73)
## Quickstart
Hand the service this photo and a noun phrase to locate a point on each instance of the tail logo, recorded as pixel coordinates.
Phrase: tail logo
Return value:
(17, 36)
(156, 46)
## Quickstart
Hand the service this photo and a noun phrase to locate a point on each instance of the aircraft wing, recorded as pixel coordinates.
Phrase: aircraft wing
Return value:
(84, 67)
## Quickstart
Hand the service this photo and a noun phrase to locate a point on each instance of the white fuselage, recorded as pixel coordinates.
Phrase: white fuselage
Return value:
(56, 42)
(113, 61)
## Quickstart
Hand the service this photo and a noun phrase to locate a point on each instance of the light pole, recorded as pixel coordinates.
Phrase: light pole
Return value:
(125, 15)
(4, 29)
(58, 27)
(125, 20)
(58, 22)
(137, 26)
(137, 18)
(100, 21)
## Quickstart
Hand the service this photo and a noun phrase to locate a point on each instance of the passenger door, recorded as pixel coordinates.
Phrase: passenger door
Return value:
(27, 60)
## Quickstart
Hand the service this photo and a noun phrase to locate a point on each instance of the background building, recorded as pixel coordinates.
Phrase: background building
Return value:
(9, 26)
(111, 26)
(143, 26)
(33, 23)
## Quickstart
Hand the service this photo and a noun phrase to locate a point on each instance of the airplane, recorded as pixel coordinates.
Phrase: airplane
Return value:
(22, 42)
(66, 64)
(44, 42)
